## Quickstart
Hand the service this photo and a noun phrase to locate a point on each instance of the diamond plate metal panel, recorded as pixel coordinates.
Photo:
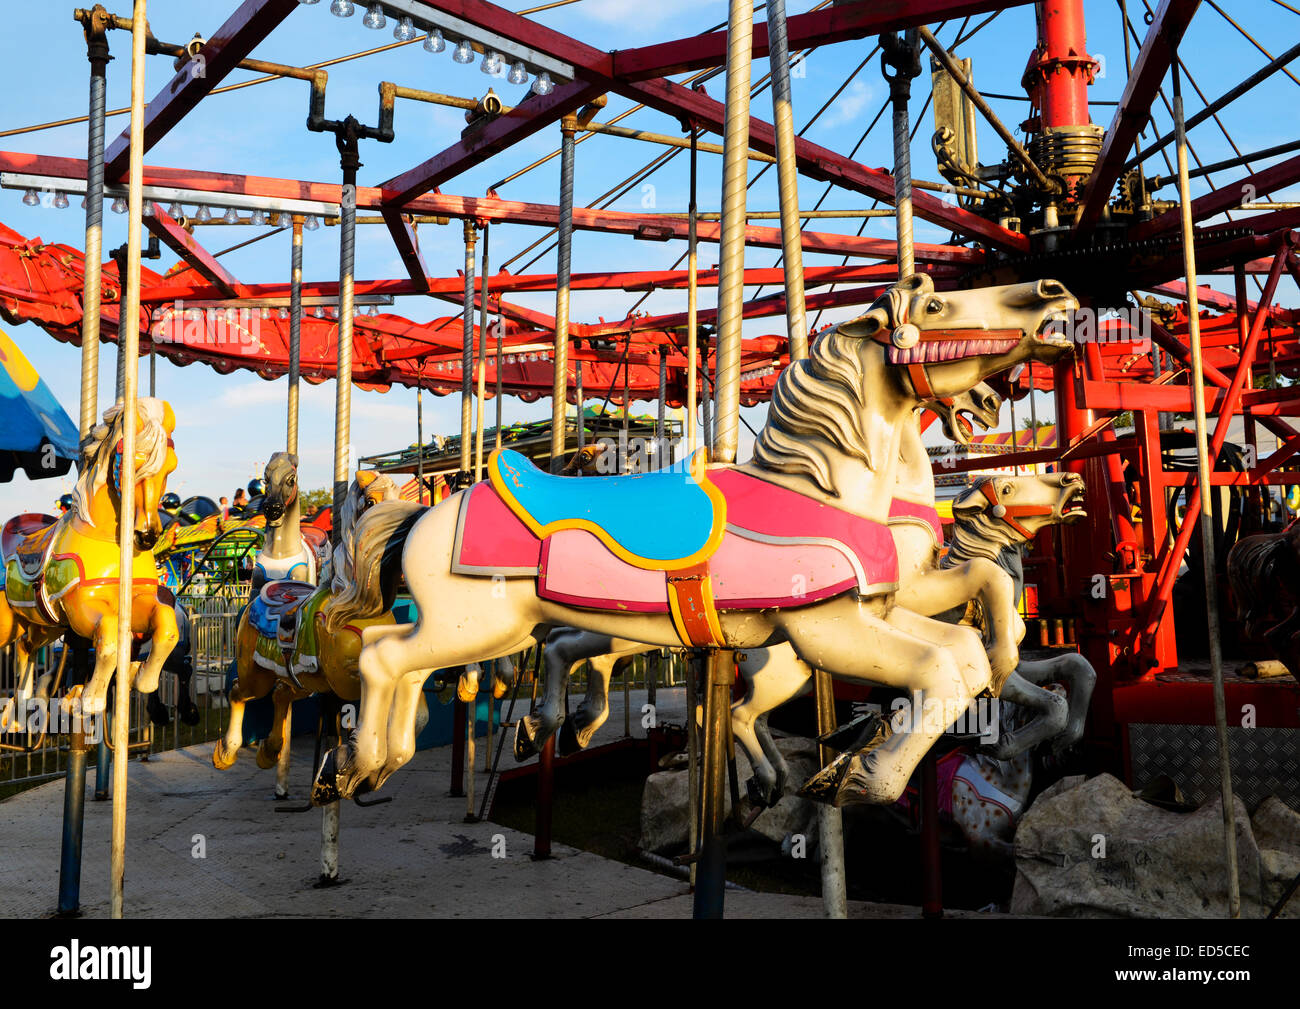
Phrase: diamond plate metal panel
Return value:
(1264, 761)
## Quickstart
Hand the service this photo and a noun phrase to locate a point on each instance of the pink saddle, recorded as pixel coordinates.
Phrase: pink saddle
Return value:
(780, 549)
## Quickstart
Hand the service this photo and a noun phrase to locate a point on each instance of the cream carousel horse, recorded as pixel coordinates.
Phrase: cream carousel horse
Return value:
(286, 554)
(298, 639)
(64, 577)
(994, 520)
(793, 546)
(912, 510)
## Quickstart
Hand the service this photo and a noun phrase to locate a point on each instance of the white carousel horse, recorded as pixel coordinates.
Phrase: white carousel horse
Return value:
(994, 519)
(568, 647)
(286, 554)
(824, 469)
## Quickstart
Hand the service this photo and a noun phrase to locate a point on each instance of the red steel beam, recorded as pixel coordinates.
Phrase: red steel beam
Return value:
(187, 247)
(1275, 177)
(651, 227)
(521, 122)
(231, 43)
(839, 23)
(408, 247)
(1153, 61)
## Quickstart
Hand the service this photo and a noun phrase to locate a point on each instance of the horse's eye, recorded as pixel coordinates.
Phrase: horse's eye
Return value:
(935, 305)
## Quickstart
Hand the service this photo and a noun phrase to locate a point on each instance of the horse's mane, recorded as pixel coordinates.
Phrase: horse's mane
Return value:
(377, 540)
(344, 574)
(980, 535)
(819, 399)
(101, 444)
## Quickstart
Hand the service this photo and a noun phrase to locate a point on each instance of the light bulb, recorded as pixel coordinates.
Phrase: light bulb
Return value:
(147, 209)
(31, 198)
(311, 223)
(543, 85)
(462, 53)
(434, 42)
(517, 75)
(204, 215)
(83, 203)
(374, 17)
(230, 216)
(372, 310)
(405, 31)
(284, 220)
(284, 313)
(61, 201)
(491, 63)
(342, 8)
(119, 205)
(258, 217)
(176, 211)
(266, 313)
(308, 3)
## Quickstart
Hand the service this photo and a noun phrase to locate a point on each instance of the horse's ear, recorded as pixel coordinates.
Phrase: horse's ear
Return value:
(866, 325)
(293, 458)
(969, 503)
(365, 477)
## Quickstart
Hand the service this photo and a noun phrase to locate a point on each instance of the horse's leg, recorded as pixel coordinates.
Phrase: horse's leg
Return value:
(772, 677)
(852, 640)
(563, 650)
(251, 681)
(593, 712)
(284, 694)
(94, 699)
(1050, 720)
(1079, 677)
(160, 620)
(401, 725)
(942, 589)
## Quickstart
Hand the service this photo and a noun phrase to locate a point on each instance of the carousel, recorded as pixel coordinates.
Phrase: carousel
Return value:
(986, 638)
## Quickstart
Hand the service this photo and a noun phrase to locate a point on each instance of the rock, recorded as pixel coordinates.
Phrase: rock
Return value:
(1096, 850)
(1277, 833)
(664, 815)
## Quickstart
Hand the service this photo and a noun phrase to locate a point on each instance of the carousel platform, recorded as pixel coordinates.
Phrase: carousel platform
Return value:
(410, 858)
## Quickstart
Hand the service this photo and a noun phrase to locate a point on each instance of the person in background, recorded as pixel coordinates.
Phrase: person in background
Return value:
(225, 508)
(65, 503)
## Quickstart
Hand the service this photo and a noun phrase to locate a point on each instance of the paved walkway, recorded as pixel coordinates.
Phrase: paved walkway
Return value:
(204, 843)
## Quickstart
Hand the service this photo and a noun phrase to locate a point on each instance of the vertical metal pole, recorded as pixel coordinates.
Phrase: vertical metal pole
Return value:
(931, 872)
(564, 258)
(707, 430)
(545, 799)
(103, 763)
(692, 301)
(693, 755)
(500, 341)
(343, 383)
(74, 806)
(458, 714)
(419, 435)
(482, 366)
(295, 333)
(661, 427)
(467, 356)
(128, 338)
(900, 90)
(711, 880)
(830, 821)
(579, 395)
(731, 261)
(97, 54)
(74, 782)
(282, 764)
(1207, 532)
(471, 730)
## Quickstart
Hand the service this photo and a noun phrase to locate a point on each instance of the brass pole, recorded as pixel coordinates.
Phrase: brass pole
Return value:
(692, 301)
(482, 371)
(295, 332)
(467, 357)
(129, 343)
(1207, 532)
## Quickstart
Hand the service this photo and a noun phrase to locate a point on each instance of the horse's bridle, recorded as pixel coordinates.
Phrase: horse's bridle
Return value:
(912, 335)
(1010, 514)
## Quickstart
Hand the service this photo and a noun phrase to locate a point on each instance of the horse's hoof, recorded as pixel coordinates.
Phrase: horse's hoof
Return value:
(853, 735)
(824, 786)
(325, 789)
(221, 759)
(568, 742)
(265, 758)
(158, 712)
(465, 692)
(190, 714)
(525, 746)
(764, 798)
(281, 794)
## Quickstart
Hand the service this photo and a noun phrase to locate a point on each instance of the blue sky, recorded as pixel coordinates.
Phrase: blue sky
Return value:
(229, 425)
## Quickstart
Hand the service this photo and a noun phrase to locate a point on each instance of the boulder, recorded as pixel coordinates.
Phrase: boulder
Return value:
(664, 811)
(1094, 849)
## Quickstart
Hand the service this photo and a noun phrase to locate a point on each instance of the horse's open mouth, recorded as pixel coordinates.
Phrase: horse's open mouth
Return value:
(935, 351)
(1072, 507)
(1055, 329)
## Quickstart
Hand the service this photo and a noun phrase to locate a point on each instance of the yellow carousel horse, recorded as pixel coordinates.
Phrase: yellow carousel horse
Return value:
(64, 576)
(298, 639)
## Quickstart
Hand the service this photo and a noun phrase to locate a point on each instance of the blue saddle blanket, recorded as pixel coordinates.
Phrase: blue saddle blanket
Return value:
(666, 520)
(273, 602)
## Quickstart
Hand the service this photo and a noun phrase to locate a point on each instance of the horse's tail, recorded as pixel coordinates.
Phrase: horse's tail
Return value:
(378, 539)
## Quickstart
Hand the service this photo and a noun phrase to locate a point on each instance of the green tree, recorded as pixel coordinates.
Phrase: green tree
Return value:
(314, 500)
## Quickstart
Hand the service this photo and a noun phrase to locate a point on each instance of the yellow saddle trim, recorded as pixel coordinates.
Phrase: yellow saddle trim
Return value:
(699, 473)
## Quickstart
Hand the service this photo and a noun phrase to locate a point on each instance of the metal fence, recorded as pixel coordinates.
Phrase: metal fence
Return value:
(29, 758)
